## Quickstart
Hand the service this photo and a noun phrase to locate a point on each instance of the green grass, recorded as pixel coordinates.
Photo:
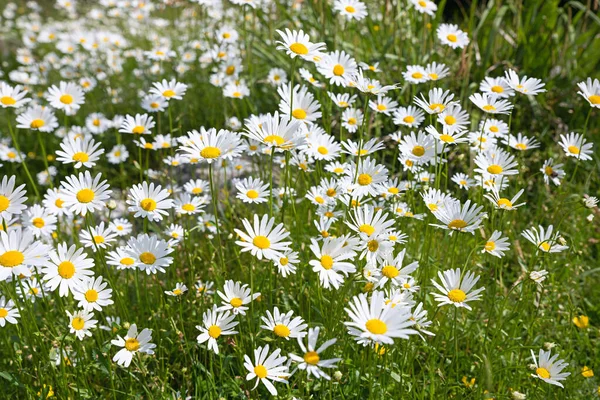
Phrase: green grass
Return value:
(551, 40)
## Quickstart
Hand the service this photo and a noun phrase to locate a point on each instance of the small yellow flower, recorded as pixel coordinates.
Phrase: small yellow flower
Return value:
(587, 372)
(582, 321)
(468, 383)
(50, 392)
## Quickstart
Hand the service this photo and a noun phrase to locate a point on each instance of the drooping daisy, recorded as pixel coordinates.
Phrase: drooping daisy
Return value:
(179, 290)
(590, 90)
(298, 44)
(283, 325)
(311, 361)
(11, 199)
(67, 268)
(82, 194)
(456, 289)
(548, 368)
(150, 253)
(491, 104)
(235, 296)
(83, 152)
(496, 245)
(373, 322)
(81, 322)
(342, 100)
(131, 344)
(19, 251)
(436, 71)
(149, 201)
(169, 89)
(575, 145)
(525, 85)
(12, 97)
(37, 118)
(67, 96)
(450, 35)
(262, 238)
(215, 324)
(545, 239)
(140, 124)
(455, 216)
(252, 190)
(93, 294)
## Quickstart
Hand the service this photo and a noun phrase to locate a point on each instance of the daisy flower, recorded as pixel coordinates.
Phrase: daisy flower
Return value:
(552, 172)
(448, 137)
(333, 261)
(496, 87)
(503, 203)
(120, 258)
(491, 104)
(409, 116)
(415, 74)
(450, 35)
(367, 222)
(436, 71)
(287, 263)
(496, 163)
(590, 90)
(81, 322)
(236, 90)
(521, 142)
(197, 187)
(216, 324)
(188, 205)
(453, 118)
(383, 105)
(141, 124)
(351, 9)
(11, 199)
(460, 217)
(545, 239)
(235, 296)
(67, 96)
(83, 152)
(575, 145)
(121, 226)
(277, 76)
(496, 245)
(179, 290)
(456, 289)
(93, 294)
(311, 361)
(322, 146)
(267, 368)
(283, 325)
(12, 97)
(150, 253)
(338, 67)
(262, 238)
(82, 194)
(211, 145)
(298, 44)
(39, 221)
(154, 103)
(118, 154)
(529, 86)
(18, 252)
(494, 127)
(548, 368)
(38, 118)
(169, 90)
(424, 6)
(342, 100)
(8, 312)
(149, 201)
(67, 268)
(373, 322)
(300, 102)
(463, 180)
(419, 148)
(352, 118)
(437, 101)
(98, 237)
(131, 344)
(252, 190)
(204, 288)
(392, 269)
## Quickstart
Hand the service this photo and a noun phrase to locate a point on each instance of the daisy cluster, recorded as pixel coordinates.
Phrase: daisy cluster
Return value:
(331, 192)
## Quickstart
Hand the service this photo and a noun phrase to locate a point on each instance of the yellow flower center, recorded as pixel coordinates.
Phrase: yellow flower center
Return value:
(311, 358)
(409, 119)
(197, 190)
(542, 373)
(457, 224)
(364, 179)
(91, 296)
(338, 70)
(497, 89)
(8, 101)
(504, 202)
(322, 150)
(169, 93)
(437, 107)
(490, 246)
(214, 331)
(38, 222)
(78, 323)
(326, 261)
(11, 258)
(548, 171)
(132, 344)
(3, 312)
(127, 261)
(36, 123)
(594, 99)
(433, 76)
(452, 38)
(545, 246)
(260, 370)
(381, 107)
(573, 149)
(236, 302)
(210, 152)
(376, 326)
(494, 129)
(276, 139)
(331, 192)
(489, 107)
(281, 330)
(389, 271)
(450, 120)
(299, 48)
(373, 245)
(495, 169)
(148, 204)
(299, 113)
(418, 151)
(85, 195)
(457, 295)
(252, 194)
(81, 157)
(446, 138)
(351, 121)
(66, 269)
(66, 99)
(4, 203)
(147, 258)
(96, 122)
(138, 130)
(350, 9)
(366, 228)
(262, 242)
(188, 207)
